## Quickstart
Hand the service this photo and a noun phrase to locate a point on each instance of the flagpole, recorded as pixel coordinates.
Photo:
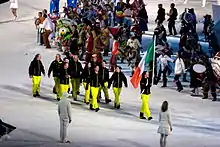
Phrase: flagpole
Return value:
(154, 37)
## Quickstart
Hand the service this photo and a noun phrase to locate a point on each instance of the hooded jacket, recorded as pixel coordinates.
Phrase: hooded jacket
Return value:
(75, 69)
(36, 68)
(104, 73)
(55, 67)
(117, 79)
(63, 76)
(145, 86)
(95, 80)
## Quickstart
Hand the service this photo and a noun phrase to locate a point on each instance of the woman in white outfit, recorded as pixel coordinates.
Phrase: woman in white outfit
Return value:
(165, 126)
(14, 7)
(179, 69)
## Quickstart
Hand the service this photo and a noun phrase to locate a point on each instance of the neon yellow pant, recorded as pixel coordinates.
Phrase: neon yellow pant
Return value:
(95, 92)
(105, 90)
(36, 84)
(63, 89)
(75, 86)
(145, 106)
(87, 92)
(117, 92)
(57, 83)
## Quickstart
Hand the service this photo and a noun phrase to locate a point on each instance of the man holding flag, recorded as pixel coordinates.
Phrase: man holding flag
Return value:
(145, 79)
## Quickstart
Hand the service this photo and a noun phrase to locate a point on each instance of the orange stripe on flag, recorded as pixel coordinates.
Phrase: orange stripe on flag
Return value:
(136, 78)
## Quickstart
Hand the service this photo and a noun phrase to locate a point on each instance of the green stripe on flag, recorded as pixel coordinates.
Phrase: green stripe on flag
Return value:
(150, 53)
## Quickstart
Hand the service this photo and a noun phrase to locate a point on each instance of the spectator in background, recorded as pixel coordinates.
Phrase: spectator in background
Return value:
(48, 27)
(143, 19)
(160, 14)
(171, 21)
(14, 7)
(38, 22)
(45, 13)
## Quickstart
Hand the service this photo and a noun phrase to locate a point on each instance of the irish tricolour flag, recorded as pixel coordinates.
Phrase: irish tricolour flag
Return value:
(147, 58)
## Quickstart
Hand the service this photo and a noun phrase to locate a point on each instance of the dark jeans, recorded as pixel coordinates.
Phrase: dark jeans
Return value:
(178, 83)
(164, 72)
(206, 88)
(171, 27)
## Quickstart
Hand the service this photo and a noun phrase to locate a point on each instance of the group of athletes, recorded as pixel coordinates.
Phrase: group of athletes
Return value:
(69, 74)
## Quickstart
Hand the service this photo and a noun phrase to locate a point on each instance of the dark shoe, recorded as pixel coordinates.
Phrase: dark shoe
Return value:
(87, 103)
(69, 91)
(214, 99)
(180, 89)
(54, 90)
(108, 101)
(37, 94)
(150, 118)
(118, 107)
(34, 95)
(185, 80)
(163, 86)
(90, 107)
(58, 99)
(205, 97)
(142, 116)
(115, 106)
(97, 110)
(75, 99)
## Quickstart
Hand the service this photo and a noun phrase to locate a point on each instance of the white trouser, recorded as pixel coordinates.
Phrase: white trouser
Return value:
(63, 129)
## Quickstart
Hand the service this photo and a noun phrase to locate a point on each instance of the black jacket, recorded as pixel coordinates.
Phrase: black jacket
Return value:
(85, 76)
(63, 76)
(75, 69)
(55, 67)
(94, 64)
(95, 80)
(36, 68)
(117, 79)
(145, 86)
(174, 14)
(161, 14)
(104, 74)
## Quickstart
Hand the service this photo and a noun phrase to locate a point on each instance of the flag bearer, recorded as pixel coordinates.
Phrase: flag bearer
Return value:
(105, 78)
(117, 78)
(95, 82)
(85, 79)
(55, 68)
(35, 69)
(145, 85)
(64, 80)
(75, 70)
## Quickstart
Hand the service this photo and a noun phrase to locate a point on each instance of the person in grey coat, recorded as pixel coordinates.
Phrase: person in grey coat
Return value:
(165, 125)
(64, 111)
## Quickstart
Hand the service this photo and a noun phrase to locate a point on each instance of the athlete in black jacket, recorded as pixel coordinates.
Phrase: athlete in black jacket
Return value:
(95, 82)
(104, 72)
(117, 79)
(145, 85)
(75, 70)
(64, 80)
(35, 69)
(55, 67)
(85, 77)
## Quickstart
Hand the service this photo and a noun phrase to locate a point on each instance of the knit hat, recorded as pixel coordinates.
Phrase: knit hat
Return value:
(65, 95)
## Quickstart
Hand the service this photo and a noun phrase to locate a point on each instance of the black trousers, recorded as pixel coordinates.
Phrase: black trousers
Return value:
(171, 27)
(206, 88)
(164, 73)
(178, 83)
